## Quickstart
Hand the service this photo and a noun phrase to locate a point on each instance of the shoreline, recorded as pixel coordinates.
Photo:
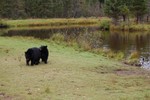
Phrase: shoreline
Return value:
(103, 23)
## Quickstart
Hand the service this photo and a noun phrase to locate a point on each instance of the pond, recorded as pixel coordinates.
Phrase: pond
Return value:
(93, 38)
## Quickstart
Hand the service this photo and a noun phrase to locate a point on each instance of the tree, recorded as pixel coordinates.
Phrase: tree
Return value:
(39, 8)
(139, 9)
(50, 8)
(11, 9)
(124, 11)
(125, 8)
(148, 13)
(101, 2)
(112, 9)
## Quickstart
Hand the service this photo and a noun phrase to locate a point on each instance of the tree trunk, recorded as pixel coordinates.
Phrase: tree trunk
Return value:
(124, 18)
(137, 19)
(147, 18)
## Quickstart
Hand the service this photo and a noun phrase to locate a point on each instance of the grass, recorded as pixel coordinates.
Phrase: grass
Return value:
(52, 22)
(103, 23)
(131, 27)
(3, 24)
(69, 75)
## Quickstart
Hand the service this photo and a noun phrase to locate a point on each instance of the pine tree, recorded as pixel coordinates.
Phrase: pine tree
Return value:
(139, 9)
(112, 9)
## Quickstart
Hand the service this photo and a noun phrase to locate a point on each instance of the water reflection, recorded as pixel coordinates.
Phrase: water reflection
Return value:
(129, 42)
(91, 38)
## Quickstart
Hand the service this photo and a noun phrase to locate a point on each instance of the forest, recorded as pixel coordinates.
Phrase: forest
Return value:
(75, 8)
(49, 8)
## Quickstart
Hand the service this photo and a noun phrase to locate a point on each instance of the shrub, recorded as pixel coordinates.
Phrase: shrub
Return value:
(105, 23)
(58, 37)
(134, 55)
(3, 24)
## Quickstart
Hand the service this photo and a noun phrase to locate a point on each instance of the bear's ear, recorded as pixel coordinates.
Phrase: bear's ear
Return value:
(25, 52)
(46, 46)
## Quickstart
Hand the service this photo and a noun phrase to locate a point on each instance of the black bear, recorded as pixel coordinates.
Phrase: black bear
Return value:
(33, 55)
(44, 53)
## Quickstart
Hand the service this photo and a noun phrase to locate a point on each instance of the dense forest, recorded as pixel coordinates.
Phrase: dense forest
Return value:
(74, 8)
(49, 8)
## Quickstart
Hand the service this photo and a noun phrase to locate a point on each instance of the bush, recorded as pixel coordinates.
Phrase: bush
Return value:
(105, 23)
(134, 55)
(3, 24)
(58, 37)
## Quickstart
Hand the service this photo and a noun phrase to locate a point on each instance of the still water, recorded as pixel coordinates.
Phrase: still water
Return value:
(93, 38)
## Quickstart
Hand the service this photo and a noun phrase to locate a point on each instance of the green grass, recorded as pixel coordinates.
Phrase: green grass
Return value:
(69, 75)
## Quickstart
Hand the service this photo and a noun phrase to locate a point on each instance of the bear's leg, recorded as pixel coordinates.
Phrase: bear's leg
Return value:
(45, 61)
(27, 62)
(32, 62)
(37, 62)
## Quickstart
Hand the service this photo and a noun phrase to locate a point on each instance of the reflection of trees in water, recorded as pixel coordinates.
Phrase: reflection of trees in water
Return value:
(141, 41)
(121, 41)
(47, 33)
(29, 33)
(118, 41)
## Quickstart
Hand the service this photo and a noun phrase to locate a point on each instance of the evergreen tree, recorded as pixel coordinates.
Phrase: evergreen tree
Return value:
(112, 9)
(148, 14)
(139, 9)
(125, 8)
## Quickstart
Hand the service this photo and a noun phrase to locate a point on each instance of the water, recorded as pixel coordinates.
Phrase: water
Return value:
(93, 38)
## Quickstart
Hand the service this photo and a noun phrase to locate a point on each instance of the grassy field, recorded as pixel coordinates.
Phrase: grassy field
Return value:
(69, 75)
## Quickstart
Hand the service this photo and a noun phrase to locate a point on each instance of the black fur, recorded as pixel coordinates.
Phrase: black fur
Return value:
(33, 55)
(44, 53)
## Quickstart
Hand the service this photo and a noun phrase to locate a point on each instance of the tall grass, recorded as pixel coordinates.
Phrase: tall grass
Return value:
(132, 27)
(3, 24)
(52, 22)
(104, 23)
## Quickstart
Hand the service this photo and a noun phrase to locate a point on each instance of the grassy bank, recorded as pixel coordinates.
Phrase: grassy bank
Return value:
(103, 22)
(131, 27)
(52, 22)
(106, 24)
(69, 75)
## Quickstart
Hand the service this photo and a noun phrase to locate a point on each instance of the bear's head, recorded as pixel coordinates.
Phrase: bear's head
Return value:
(28, 54)
(43, 47)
